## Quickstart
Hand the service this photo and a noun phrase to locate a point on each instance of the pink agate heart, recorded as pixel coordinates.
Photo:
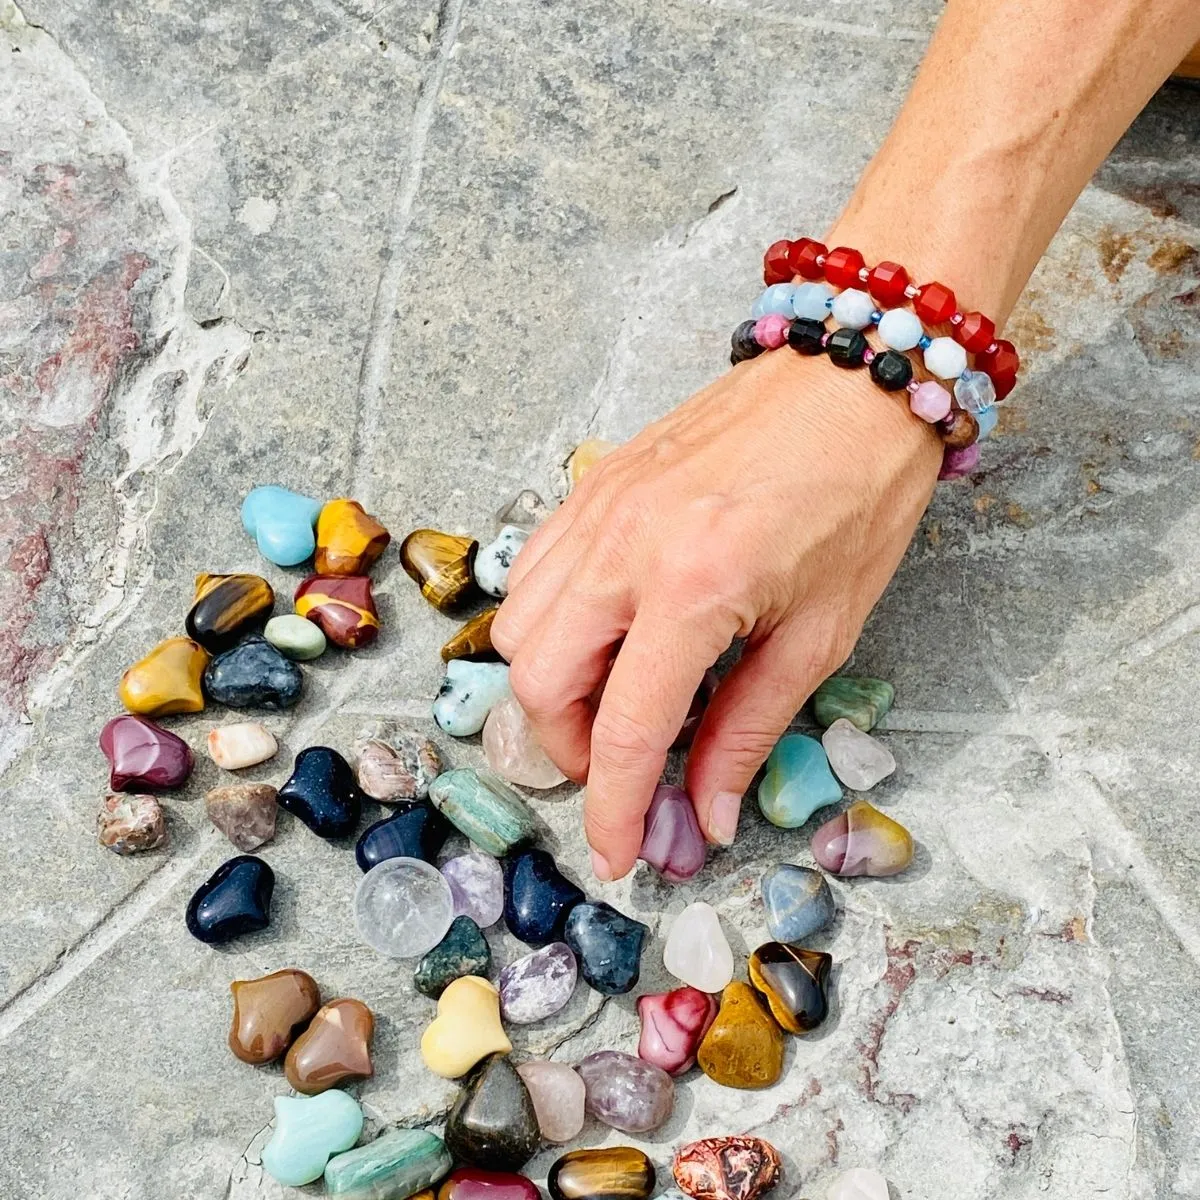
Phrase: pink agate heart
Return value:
(673, 844)
(143, 755)
(673, 1026)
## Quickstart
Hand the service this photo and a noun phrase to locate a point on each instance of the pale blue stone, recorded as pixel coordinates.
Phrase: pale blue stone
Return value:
(900, 329)
(798, 782)
(776, 299)
(986, 419)
(974, 391)
(797, 902)
(396, 1164)
(467, 695)
(811, 301)
(853, 309)
(281, 522)
(308, 1130)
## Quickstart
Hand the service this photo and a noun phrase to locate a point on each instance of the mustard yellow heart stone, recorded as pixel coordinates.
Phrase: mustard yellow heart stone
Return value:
(167, 680)
(466, 1029)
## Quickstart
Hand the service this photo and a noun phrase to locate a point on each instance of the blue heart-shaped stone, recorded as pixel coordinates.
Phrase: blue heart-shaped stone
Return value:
(236, 899)
(322, 792)
(538, 898)
(415, 830)
(281, 522)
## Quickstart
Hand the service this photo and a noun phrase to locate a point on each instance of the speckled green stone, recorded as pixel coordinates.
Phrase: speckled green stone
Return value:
(295, 636)
(393, 1166)
(484, 808)
(463, 951)
(860, 700)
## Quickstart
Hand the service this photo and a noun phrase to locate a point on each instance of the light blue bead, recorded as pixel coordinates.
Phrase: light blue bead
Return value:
(852, 309)
(308, 1130)
(899, 329)
(812, 301)
(798, 782)
(776, 299)
(467, 695)
(924, 341)
(986, 419)
(281, 522)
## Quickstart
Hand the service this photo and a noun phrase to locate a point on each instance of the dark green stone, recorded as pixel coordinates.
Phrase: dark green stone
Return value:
(493, 1123)
(862, 701)
(463, 951)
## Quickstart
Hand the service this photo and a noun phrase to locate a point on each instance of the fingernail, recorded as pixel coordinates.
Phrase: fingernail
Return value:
(723, 817)
(600, 868)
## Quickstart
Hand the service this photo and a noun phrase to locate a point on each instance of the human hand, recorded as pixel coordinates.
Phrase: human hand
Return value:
(773, 506)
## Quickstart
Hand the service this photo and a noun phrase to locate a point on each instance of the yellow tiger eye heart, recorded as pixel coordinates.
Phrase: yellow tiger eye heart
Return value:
(466, 1029)
(167, 680)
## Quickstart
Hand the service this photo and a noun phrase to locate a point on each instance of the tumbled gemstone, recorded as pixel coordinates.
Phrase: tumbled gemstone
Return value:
(281, 522)
(959, 462)
(607, 945)
(930, 402)
(743, 1047)
(495, 560)
(334, 1050)
(253, 675)
(887, 282)
(945, 358)
(626, 1092)
(473, 639)
(415, 829)
(241, 744)
(342, 606)
(847, 348)
(673, 1026)
(463, 951)
(400, 1162)
(974, 391)
(442, 564)
(805, 253)
(558, 1098)
(696, 950)
(934, 303)
(269, 1013)
(167, 680)
(466, 1029)
(842, 266)
(477, 884)
(235, 899)
(777, 266)
(244, 812)
(776, 299)
(859, 1183)
(308, 1130)
(792, 981)
(610, 1173)
(143, 755)
(891, 370)
(959, 430)
(899, 329)
(672, 843)
(526, 509)
(227, 606)
(349, 540)
(538, 985)
(485, 809)
(806, 337)
(403, 907)
(797, 782)
(493, 1123)
(512, 749)
(853, 308)
(1000, 362)
(797, 902)
(726, 1168)
(860, 700)
(857, 759)
(743, 344)
(863, 841)
(395, 763)
(812, 301)
(468, 693)
(128, 823)
(975, 332)
(538, 897)
(295, 636)
(321, 791)
(585, 456)
(471, 1183)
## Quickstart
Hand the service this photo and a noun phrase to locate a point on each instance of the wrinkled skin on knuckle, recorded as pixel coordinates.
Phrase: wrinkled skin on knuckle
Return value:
(533, 685)
(622, 742)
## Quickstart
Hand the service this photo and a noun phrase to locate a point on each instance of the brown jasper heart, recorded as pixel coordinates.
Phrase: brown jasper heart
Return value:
(269, 1013)
(441, 563)
(349, 539)
(474, 639)
(334, 1049)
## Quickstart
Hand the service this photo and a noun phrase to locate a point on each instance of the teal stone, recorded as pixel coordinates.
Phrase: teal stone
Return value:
(282, 523)
(392, 1167)
(860, 700)
(798, 782)
(296, 636)
(308, 1130)
(484, 808)
(463, 951)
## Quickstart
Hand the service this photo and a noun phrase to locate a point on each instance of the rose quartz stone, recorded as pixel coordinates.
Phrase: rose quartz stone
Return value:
(558, 1095)
(931, 402)
(771, 331)
(673, 1026)
(512, 751)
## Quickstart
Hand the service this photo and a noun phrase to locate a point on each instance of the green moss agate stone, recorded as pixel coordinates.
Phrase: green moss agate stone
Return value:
(308, 1129)
(798, 782)
(394, 1166)
(485, 808)
(860, 700)
(463, 951)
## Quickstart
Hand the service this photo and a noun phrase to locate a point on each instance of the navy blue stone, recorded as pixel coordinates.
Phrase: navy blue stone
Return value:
(538, 898)
(415, 830)
(253, 675)
(323, 793)
(607, 944)
(235, 900)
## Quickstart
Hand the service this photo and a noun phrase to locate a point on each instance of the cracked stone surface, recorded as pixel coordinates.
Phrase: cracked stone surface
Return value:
(415, 254)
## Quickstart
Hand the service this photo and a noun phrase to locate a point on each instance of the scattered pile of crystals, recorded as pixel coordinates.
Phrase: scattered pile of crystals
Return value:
(408, 906)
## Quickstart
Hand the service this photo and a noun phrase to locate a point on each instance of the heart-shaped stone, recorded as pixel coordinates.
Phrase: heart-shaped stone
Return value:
(270, 1013)
(295, 636)
(167, 680)
(538, 897)
(673, 844)
(414, 830)
(792, 981)
(743, 1047)
(463, 951)
(484, 809)
(609, 1173)
(859, 1183)
(626, 1092)
(226, 607)
(321, 791)
(281, 522)
(538, 985)
(349, 539)
(726, 1168)
(558, 1098)
(244, 813)
(466, 1029)
(335, 1049)
(442, 564)
(473, 639)
(128, 823)
(143, 755)
(477, 884)
(607, 944)
(241, 744)
(235, 899)
(471, 1183)
(395, 763)
(342, 606)
(863, 841)
(467, 695)
(493, 1123)
(860, 700)
(526, 510)
(253, 675)
(798, 782)
(401, 1162)
(512, 749)
(797, 902)
(308, 1131)
(696, 949)
(673, 1026)
(494, 561)
(857, 759)
(403, 907)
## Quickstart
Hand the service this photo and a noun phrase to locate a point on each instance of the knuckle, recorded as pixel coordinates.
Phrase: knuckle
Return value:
(532, 685)
(622, 742)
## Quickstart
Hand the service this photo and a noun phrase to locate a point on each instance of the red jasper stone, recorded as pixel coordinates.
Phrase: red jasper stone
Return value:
(842, 266)
(471, 1183)
(1001, 363)
(343, 606)
(777, 263)
(887, 282)
(934, 303)
(975, 332)
(726, 1168)
(673, 1026)
(804, 257)
(143, 755)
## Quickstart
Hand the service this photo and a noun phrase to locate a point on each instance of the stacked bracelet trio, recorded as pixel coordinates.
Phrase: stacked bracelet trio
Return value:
(795, 313)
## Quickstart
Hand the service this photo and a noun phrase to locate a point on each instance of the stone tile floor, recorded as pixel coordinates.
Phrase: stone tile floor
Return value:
(414, 254)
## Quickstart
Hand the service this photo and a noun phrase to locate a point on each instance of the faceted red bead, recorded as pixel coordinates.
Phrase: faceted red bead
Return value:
(934, 303)
(887, 282)
(804, 257)
(842, 266)
(777, 263)
(1004, 385)
(975, 332)
(1001, 362)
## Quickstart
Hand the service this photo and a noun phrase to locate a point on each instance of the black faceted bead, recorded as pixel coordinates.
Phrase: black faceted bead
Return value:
(744, 345)
(805, 335)
(891, 370)
(847, 347)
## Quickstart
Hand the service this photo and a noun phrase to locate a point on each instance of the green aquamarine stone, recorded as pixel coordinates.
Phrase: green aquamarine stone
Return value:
(295, 636)
(308, 1129)
(392, 1167)
(484, 808)
(860, 700)
(798, 782)
(463, 951)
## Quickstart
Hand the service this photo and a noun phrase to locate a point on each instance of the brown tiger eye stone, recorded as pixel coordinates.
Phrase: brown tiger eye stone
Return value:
(342, 606)
(743, 1047)
(474, 639)
(227, 606)
(167, 680)
(610, 1173)
(335, 1049)
(441, 563)
(349, 539)
(270, 1012)
(962, 430)
(792, 981)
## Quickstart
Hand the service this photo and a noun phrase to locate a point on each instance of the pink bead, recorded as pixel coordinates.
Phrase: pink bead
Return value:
(771, 331)
(673, 1026)
(957, 463)
(931, 402)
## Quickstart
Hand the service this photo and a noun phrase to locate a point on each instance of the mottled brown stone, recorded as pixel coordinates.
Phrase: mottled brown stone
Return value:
(474, 639)
(129, 822)
(270, 1013)
(726, 1168)
(244, 812)
(743, 1047)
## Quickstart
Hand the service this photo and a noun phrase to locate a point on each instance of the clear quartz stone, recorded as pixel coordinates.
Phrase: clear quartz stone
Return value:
(857, 759)
(974, 391)
(403, 907)
(696, 950)
(512, 750)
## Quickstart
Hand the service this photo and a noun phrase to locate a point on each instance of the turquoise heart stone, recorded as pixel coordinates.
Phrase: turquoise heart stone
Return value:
(308, 1130)
(798, 782)
(400, 1163)
(281, 522)
(860, 700)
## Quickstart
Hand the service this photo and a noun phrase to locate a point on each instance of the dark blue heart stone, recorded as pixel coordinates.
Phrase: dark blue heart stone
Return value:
(607, 944)
(323, 793)
(537, 897)
(253, 675)
(415, 830)
(235, 900)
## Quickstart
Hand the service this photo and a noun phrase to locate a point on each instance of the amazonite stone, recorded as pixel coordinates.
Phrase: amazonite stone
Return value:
(296, 636)
(282, 524)
(484, 808)
(798, 782)
(308, 1130)
(396, 1164)
(467, 695)
(863, 701)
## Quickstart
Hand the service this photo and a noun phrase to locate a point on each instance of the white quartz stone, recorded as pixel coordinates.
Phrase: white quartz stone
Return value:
(857, 759)
(696, 950)
(859, 1183)
(945, 358)
(241, 744)
(852, 309)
